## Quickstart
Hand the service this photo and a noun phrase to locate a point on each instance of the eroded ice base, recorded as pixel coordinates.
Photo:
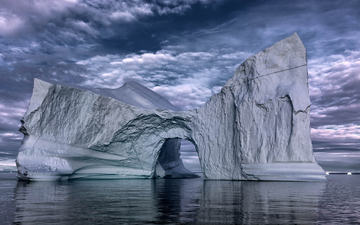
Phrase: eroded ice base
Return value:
(284, 171)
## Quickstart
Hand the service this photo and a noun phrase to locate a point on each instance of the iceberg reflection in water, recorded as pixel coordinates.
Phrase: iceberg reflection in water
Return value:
(167, 201)
(181, 201)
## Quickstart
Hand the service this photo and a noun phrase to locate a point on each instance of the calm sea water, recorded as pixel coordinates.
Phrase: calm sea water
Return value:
(180, 201)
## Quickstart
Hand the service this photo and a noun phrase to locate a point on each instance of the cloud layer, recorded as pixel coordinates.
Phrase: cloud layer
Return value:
(182, 49)
(188, 79)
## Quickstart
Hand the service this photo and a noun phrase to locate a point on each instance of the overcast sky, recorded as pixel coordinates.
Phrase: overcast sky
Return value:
(182, 49)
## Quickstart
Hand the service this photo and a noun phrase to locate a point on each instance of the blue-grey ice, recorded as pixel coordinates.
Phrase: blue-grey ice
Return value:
(256, 128)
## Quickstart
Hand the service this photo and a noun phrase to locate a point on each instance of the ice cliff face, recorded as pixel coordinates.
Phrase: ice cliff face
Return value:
(256, 128)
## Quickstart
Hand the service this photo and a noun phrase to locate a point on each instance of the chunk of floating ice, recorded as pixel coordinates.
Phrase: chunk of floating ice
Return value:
(256, 128)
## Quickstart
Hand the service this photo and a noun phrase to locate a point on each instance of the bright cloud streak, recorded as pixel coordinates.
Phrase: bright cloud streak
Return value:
(187, 79)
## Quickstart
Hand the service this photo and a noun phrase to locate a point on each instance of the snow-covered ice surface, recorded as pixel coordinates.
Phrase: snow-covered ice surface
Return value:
(256, 128)
(136, 94)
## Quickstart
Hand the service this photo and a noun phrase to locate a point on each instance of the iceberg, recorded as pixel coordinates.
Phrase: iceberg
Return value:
(256, 128)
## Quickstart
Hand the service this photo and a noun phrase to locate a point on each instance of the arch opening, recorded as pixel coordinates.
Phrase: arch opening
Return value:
(178, 158)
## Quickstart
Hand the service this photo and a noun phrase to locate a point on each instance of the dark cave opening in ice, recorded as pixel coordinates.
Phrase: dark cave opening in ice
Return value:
(178, 158)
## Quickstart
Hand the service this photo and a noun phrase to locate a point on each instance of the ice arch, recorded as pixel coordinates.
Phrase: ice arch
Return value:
(256, 128)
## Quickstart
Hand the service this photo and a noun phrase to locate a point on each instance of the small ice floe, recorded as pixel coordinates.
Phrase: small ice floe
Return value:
(349, 173)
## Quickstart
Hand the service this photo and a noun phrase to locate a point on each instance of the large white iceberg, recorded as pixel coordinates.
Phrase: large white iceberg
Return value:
(256, 128)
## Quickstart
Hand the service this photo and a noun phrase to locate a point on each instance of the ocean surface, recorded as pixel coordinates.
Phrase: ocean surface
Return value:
(187, 201)
(179, 201)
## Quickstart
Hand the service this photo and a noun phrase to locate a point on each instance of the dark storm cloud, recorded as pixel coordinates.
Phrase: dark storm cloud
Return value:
(326, 28)
(125, 25)
(183, 49)
(335, 94)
